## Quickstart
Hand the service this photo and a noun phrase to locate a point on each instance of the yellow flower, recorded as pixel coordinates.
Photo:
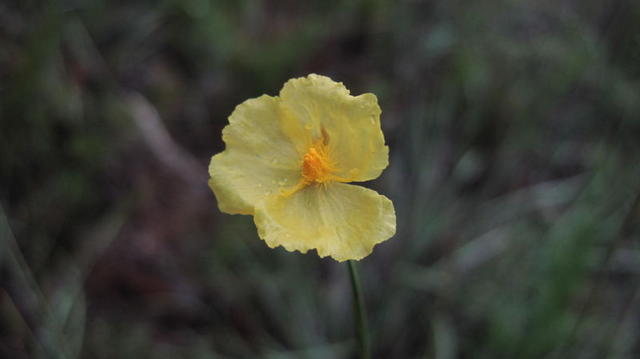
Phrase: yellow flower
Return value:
(288, 160)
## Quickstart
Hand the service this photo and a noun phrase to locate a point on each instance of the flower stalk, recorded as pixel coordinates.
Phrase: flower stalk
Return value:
(359, 312)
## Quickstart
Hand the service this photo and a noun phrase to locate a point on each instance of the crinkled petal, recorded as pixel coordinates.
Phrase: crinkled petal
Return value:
(315, 107)
(258, 160)
(338, 220)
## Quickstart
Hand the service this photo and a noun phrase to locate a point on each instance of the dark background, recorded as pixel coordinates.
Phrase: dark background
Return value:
(514, 131)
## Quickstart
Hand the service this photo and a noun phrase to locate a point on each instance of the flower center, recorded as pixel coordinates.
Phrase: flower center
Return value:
(316, 166)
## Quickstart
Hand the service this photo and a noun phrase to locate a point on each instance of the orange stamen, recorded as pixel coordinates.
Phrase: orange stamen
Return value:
(316, 166)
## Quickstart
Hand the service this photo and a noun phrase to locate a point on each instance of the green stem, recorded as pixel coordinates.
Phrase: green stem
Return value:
(360, 314)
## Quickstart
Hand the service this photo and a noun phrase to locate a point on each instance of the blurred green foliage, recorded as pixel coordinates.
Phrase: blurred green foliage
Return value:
(513, 128)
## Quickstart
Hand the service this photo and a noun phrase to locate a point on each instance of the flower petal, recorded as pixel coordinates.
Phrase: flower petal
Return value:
(258, 160)
(338, 220)
(315, 107)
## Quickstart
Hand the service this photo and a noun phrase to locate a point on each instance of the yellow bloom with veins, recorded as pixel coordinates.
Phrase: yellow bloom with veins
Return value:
(289, 159)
